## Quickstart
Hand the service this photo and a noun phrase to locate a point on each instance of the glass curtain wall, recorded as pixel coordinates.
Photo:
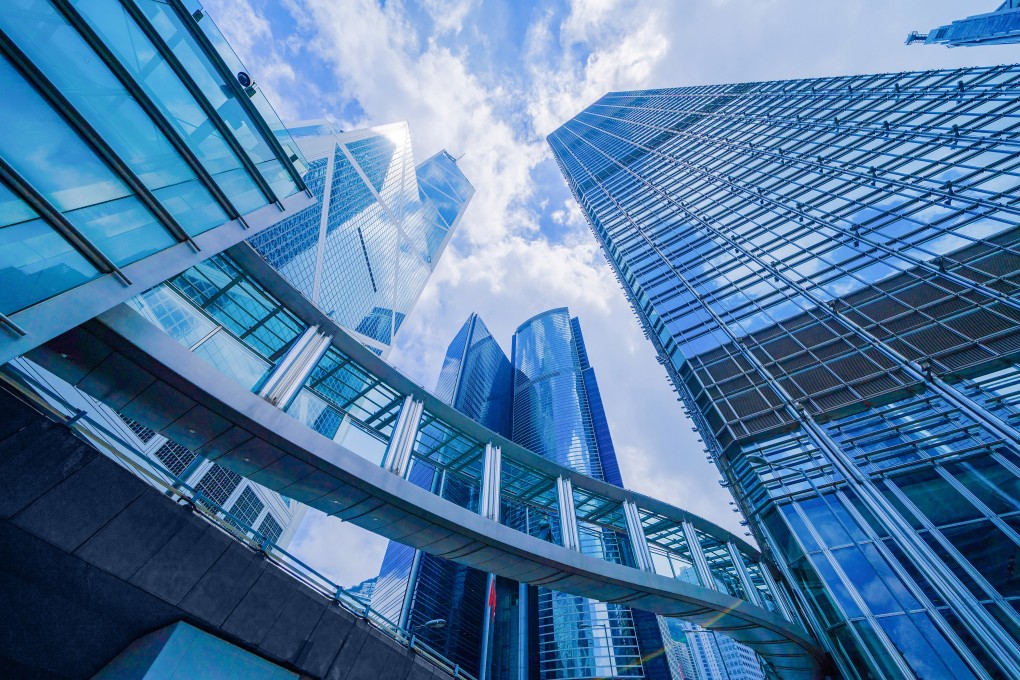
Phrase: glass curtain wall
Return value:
(828, 270)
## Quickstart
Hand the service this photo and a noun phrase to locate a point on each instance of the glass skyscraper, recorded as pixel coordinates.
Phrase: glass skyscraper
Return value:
(829, 272)
(365, 252)
(476, 377)
(558, 414)
(137, 149)
(130, 150)
(547, 399)
(415, 587)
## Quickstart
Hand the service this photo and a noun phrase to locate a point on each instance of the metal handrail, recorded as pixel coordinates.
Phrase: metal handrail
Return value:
(30, 388)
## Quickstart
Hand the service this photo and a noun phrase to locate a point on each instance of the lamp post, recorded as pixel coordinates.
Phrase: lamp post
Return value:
(434, 624)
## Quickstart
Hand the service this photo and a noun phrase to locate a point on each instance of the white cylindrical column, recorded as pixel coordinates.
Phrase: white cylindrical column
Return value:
(491, 470)
(568, 515)
(742, 575)
(642, 555)
(700, 563)
(297, 364)
(397, 458)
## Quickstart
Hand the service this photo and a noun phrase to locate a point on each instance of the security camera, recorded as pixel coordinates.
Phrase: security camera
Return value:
(244, 79)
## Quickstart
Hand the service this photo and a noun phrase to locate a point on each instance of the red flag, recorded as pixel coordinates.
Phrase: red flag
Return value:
(492, 598)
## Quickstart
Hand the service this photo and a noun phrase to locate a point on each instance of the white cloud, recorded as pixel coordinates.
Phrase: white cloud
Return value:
(344, 553)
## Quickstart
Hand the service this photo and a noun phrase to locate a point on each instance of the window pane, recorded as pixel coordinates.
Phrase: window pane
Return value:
(230, 357)
(47, 153)
(60, 166)
(924, 648)
(36, 263)
(64, 57)
(934, 497)
(179, 320)
(991, 552)
(141, 59)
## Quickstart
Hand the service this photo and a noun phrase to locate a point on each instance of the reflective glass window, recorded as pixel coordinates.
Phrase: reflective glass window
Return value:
(60, 166)
(933, 496)
(923, 647)
(231, 357)
(36, 262)
(145, 64)
(67, 61)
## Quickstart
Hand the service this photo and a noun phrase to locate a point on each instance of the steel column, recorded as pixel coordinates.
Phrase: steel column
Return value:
(568, 514)
(778, 595)
(642, 555)
(701, 567)
(742, 575)
(398, 453)
(290, 374)
(487, 625)
(491, 471)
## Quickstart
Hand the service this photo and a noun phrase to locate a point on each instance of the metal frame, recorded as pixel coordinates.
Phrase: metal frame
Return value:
(91, 137)
(26, 192)
(196, 93)
(191, 22)
(150, 108)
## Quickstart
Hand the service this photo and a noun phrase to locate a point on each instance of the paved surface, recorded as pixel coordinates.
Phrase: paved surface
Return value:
(92, 558)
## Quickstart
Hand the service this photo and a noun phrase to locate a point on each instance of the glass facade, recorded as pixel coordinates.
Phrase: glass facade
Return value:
(828, 270)
(476, 377)
(1001, 27)
(417, 587)
(365, 252)
(557, 413)
(548, 399)
(122, 138)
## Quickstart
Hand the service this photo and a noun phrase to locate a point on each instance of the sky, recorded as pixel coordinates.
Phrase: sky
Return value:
(487, 80)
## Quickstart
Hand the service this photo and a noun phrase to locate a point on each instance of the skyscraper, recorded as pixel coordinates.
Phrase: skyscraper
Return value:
(547, 399)
(558, 414)
(132, 152)
(476, 377)
(139, 149)
(1000, 27)
(414, 587)
(365, 252)
(828, 271)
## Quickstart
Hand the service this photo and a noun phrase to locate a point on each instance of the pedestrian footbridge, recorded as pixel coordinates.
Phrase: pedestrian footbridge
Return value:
(332, 425)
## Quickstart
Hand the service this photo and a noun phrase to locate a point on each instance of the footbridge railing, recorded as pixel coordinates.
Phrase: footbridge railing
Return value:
(302, 407)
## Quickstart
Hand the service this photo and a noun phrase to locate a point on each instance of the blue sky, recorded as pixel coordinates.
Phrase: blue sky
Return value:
(489, 80)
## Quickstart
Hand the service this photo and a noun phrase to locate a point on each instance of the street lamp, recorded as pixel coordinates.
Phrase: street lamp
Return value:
(433, 624)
